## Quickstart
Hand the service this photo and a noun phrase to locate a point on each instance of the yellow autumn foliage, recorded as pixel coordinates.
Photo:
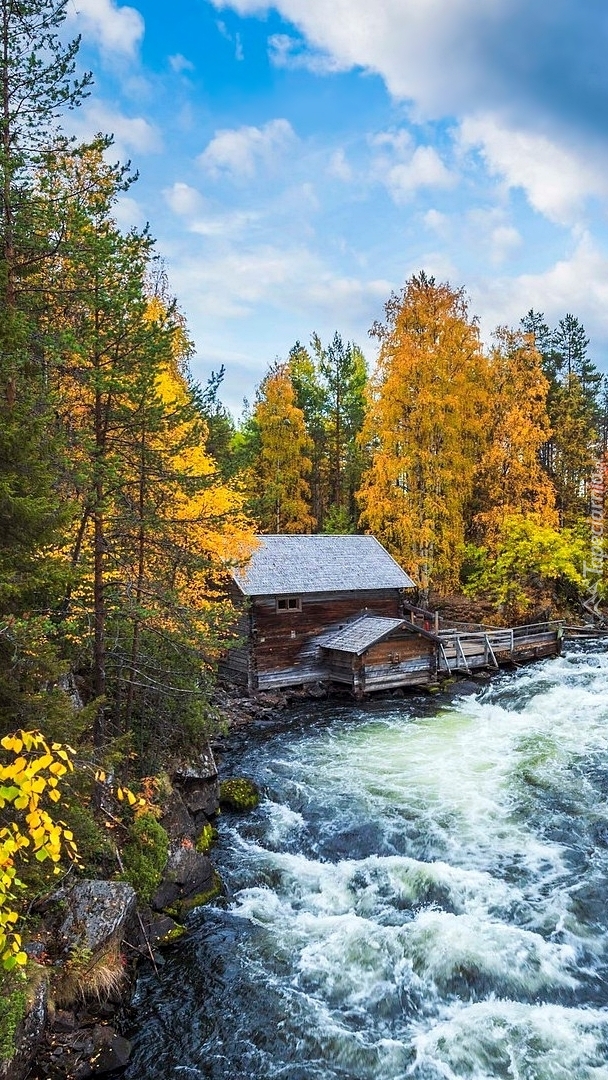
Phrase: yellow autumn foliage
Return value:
(424, 430)
(29, 775)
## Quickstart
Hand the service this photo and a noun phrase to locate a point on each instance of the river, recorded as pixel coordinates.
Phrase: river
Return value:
(422, 893)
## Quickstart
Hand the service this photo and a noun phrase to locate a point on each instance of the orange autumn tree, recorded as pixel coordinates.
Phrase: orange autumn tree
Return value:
(424, 429)
(277, 479)
(510, 479)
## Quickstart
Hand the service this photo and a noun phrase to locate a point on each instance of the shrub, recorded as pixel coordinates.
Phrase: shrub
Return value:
(145, 856)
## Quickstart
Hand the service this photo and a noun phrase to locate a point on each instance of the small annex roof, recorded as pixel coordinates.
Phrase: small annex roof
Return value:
(362, 634)
(295, 565)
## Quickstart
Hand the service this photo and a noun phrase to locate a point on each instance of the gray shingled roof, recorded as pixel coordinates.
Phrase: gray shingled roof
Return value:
(361, 634)
(294, 565)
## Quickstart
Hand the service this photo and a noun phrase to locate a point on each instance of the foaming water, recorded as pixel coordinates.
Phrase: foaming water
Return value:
(420, 894)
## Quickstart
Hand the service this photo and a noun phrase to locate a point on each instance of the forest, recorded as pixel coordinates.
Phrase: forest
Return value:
(127, 490)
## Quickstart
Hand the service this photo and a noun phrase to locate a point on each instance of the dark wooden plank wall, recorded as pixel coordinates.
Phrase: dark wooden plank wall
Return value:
(235, 665)
(282, 640)
(400, 660)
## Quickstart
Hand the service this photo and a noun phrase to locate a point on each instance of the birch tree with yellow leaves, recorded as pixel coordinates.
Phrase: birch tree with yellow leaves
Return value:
(424, 429)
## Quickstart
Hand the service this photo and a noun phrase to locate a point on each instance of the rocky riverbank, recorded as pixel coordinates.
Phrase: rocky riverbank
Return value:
(91, 934)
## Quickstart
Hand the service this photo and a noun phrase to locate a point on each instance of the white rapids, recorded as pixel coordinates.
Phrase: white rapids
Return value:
(425, 895)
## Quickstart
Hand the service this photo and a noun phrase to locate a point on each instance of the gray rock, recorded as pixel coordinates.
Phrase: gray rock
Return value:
(64, 1020)
(159, 930)
(98, 913)
(203, 799)
(198, 782)
(188, 874)
(101, 1051)
(176, 819)
(203, 768)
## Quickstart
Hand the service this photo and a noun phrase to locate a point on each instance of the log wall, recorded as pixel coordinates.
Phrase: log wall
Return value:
(285, 649)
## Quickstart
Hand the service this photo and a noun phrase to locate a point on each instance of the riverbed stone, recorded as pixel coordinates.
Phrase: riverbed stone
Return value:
(90, 1052)
(239, 794)
(177, 819)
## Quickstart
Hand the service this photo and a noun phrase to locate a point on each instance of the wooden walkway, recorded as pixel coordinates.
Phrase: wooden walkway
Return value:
(468, 650)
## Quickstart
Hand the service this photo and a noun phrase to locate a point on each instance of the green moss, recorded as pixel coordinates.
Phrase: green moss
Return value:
(145, 856)
(239, 794)
(174, 935)
(206, 839)
(180, 909)
(204, 897)
(14, 1006)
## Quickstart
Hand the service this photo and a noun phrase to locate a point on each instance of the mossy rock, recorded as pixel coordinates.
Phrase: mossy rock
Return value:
(173, 935)
(239, 794)
(206, 839)
(181, 909)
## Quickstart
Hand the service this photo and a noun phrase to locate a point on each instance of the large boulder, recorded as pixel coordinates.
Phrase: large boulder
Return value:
(98, 914)
(190, 880)
(177, 819)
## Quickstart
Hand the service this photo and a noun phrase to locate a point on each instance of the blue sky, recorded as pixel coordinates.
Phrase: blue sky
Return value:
(298, 161)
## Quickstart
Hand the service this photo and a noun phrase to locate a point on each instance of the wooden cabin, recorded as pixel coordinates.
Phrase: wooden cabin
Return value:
(298, 594)
(377, 653)
(335, 609)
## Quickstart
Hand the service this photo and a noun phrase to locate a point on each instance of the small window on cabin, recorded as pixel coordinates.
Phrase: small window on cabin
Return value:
(289, 603)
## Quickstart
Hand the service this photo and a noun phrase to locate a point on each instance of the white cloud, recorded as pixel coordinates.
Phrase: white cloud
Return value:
(339, 167)
(285, 51)
(238, 282)
(236, 40)
(180, 63)
(555, 180)
(404, 170)
(183, 199)
(490, 231)
(115, 29)
(239, 151)
(576, 283)
(505, 240)
(428, 52)
(128, 214)
(226, 226)
(438, 222)
(424, 169)
(131, 133)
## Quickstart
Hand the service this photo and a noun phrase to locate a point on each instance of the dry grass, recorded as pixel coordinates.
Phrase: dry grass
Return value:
(86, 978)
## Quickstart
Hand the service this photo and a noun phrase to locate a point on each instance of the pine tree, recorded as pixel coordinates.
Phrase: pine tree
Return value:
(343, 375)
(37, 84)
(156, 523)
(311, 399)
